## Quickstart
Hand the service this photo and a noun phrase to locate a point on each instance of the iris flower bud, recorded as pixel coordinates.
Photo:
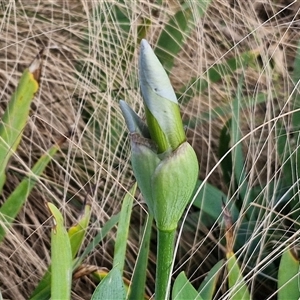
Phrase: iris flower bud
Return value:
(164, 163)
(161, 106)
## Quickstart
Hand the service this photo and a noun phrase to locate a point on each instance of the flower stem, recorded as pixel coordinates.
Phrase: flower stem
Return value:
(165, 251)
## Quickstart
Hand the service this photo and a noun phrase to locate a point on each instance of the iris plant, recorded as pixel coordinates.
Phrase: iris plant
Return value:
(164, 163)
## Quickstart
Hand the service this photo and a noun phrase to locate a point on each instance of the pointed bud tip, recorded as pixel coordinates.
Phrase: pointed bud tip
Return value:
(153, 75)
(133, 121)
(128, 115)
(145, 48)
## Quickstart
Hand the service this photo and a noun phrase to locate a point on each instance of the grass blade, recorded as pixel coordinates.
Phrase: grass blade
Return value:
(224, 147)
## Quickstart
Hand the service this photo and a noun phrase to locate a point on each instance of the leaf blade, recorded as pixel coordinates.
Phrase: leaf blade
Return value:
(61, 257)
(16, 114)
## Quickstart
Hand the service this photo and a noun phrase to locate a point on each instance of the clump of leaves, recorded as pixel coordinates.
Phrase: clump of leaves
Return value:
(11, 129)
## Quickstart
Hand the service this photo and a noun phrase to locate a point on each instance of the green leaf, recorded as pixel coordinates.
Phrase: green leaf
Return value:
(77, 231)
(16, 114)
(11, 207)
(237, 285)
(123, 229)
(107, 227)
(230, 141)
(224, 146)
(143, 28)
(61, 257)
(42, 291)
(210, 200)
(296, 96)
(183, 289)
(197, 85)
(208, 286)
(289, 157)
(137, 288)
(237, 152)
(288, 277)
(224, 110)
(111, 287)
(173, 37)
(289, 144)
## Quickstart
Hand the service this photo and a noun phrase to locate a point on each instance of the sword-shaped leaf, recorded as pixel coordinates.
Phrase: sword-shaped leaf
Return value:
(16, 114)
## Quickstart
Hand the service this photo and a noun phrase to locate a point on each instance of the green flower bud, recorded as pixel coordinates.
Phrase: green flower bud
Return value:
(161, 105)
(133, 121)
(173, 183)
(144, 161)
(166, 184)
(165, 165)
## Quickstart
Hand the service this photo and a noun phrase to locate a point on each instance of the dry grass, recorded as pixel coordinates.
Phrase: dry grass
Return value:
(72, 90)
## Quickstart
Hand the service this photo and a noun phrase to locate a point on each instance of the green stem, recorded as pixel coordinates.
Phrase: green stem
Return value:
(165, 251)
